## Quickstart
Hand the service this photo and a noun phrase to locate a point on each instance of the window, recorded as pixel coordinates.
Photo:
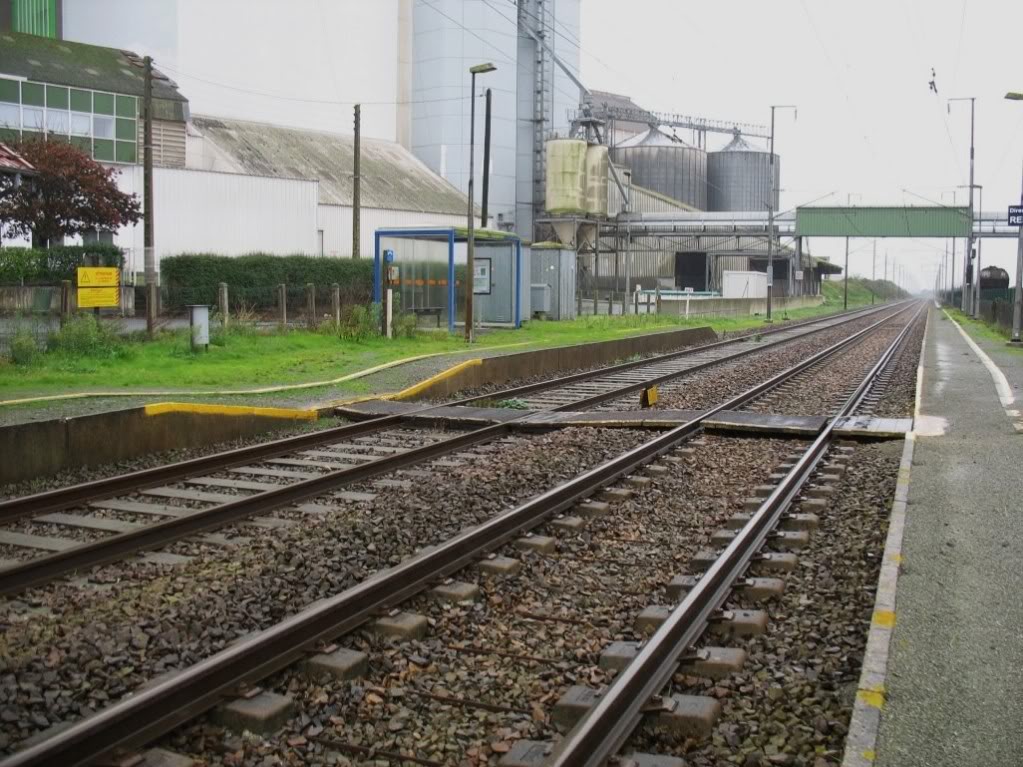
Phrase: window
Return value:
(81, 124)
(103, 150)
(33, 94)
(102, 127)
(126, 106)
(56, 97)
(103, 103)
(57, 121)
(9, 91)
(126, 130)
(10, 116)
(81, 101)
(32, 118)
(125, 151)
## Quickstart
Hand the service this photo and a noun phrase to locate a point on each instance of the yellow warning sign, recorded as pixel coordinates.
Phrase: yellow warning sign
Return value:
(648, 398)
(99, 286)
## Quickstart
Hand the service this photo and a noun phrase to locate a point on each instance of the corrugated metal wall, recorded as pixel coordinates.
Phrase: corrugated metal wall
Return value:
(201, 211)
(336, 223)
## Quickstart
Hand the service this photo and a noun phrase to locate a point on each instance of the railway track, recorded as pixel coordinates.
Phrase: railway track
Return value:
(87, 525)
(162, 706)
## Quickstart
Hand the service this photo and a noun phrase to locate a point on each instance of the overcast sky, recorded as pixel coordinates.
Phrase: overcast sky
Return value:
(858, 71)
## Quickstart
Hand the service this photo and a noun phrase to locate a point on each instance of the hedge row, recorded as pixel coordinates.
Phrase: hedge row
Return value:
(198, 276)
(31, 266)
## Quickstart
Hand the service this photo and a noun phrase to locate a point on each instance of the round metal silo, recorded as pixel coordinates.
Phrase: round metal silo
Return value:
(739, 177)
(566, 177)
(666, 165)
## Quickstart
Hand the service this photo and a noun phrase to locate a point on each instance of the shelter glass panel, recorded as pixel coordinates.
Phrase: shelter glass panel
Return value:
(422, 279)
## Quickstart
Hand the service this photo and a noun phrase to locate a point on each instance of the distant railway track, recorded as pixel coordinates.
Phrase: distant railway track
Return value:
(159, 708)
(114, 518)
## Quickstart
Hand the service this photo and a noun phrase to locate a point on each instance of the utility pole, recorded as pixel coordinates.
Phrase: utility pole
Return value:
(356, 179)
(873, 271)
(886, 269)
(845, 282)
(770, 217)
(149, 254)
(486, 163)
(470, 248)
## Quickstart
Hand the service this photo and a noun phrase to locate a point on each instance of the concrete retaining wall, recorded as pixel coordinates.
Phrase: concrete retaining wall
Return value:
(737, 307)
(509, 367)
(41, 448)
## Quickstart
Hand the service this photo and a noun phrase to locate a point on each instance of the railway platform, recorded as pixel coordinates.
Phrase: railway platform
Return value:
(955, 664)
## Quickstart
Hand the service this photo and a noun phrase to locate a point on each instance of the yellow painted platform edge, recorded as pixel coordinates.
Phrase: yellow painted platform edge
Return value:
(294, 414)
(422, 386)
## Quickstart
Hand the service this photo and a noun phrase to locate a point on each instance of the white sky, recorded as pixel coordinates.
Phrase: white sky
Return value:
(858, 71)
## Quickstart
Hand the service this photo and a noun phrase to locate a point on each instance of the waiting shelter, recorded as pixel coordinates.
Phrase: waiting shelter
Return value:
(426, 268)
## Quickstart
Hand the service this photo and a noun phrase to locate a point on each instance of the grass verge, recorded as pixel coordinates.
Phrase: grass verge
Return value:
(244, 358)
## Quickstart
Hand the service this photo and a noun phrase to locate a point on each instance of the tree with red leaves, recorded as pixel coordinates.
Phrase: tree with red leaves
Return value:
(71, 194)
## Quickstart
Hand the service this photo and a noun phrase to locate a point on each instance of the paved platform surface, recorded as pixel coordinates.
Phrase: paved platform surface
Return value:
(955, 675)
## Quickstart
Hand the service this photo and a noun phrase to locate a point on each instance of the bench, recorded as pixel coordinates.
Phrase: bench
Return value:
(428, 311)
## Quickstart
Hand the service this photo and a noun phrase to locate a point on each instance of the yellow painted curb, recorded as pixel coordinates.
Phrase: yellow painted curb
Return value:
(161, 408)
(422, 386)
(871, 698)
(884, 618)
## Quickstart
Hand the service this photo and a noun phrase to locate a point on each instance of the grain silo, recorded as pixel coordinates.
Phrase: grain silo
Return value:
(739, 178)
(566, 177)
(667, 165)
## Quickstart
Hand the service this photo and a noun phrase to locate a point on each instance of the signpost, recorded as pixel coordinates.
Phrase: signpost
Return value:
(99, 286)
(1016, 215)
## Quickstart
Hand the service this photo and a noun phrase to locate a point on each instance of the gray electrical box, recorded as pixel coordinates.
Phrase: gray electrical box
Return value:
(540, 298)
(553, 268)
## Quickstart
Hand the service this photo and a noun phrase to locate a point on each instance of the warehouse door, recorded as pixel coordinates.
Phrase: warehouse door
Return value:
(691, 271)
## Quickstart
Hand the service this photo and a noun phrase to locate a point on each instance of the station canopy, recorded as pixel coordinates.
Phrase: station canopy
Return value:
(935, 221)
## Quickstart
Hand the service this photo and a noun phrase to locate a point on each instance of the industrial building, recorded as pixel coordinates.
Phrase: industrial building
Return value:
(642, 197)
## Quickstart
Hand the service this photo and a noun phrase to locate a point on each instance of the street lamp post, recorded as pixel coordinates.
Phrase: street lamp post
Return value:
(1017, 298)
(470, 249)
(770, 216)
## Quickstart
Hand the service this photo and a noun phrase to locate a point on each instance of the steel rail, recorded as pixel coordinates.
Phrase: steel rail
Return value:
(157, 709)
(605, 728)
(94, 490)
(43, 569)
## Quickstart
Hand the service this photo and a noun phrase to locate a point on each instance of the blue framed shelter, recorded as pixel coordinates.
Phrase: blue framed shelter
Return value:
(431, 278)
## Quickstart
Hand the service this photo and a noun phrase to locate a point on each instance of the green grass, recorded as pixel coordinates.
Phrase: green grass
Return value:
(247, 359)
(984, 330)
(860, 292)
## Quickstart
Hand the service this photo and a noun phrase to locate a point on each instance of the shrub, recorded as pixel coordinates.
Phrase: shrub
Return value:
(405, 325)
(24, 349)
(359, 322)
(36, 266)
(84, 336)
(252, 279)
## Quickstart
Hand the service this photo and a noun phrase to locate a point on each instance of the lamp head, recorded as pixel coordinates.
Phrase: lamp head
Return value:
(481, 69)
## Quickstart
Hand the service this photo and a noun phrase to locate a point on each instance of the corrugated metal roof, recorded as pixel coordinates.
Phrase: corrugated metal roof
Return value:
(392, 177)
(12, 162)
(61, 62)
